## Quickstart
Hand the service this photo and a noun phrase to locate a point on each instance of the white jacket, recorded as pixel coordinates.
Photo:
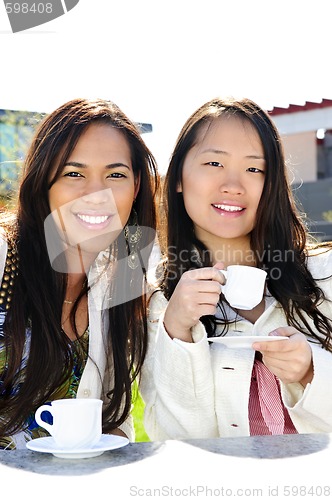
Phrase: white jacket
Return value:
(190, 392)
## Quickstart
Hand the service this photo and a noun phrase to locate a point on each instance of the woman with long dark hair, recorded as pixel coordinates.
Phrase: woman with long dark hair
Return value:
(73, 261)
(228, 201)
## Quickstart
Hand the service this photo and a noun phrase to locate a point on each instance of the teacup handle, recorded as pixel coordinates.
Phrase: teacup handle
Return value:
(39, 420)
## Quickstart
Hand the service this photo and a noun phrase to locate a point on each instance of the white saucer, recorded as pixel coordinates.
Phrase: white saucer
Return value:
(107, 442)
(244, 342)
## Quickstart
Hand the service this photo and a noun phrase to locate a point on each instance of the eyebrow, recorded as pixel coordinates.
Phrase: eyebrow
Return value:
(220, 151)
(83, 165)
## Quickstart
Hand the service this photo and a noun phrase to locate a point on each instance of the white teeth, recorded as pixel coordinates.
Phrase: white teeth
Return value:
(91, 219)
(229, 208)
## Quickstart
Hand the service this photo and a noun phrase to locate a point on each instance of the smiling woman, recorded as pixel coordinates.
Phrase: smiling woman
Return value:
(228, 202)
(72, 304)
(229, 154)
(91, 198)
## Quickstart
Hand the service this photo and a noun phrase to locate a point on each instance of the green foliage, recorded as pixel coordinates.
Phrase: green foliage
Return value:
(16, 130)
(327, 216)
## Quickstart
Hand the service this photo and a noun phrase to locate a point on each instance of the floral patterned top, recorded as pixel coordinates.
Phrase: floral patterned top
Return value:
(67, 390)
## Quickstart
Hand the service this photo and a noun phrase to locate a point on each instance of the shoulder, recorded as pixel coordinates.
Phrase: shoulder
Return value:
(319, 262)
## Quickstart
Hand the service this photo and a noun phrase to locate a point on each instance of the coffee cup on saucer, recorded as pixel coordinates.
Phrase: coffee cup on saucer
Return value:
(77, 423)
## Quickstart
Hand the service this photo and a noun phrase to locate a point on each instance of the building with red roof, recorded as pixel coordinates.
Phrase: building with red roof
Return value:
(306, 131)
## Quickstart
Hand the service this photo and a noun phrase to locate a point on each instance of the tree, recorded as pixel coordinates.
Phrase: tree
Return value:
(16, 130)
(327, 216)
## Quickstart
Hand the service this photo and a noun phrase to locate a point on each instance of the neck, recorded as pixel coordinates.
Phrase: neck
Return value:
(75, 285)
(231, 251)
(78, 261)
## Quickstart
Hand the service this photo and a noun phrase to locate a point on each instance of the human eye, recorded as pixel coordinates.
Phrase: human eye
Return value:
(214, 164)
(255, 170)
(117, 175)
(72, 174)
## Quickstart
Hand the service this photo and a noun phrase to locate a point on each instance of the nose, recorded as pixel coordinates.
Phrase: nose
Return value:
(232, 184)
(95, 194)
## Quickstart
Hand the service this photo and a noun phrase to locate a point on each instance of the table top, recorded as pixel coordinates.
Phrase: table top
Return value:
(287, 466)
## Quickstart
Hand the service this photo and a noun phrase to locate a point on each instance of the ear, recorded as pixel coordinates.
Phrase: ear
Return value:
(137, 184)
(179, 187)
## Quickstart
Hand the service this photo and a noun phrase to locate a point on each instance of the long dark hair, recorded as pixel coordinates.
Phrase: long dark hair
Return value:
(39, 291)
(279, 240)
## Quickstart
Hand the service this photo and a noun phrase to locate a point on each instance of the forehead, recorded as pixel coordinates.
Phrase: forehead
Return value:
(227, 127)
(99, 143)
(102, 137)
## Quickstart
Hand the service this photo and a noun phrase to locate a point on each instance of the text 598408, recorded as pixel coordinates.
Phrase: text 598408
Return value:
(25, 8)
(306, 491)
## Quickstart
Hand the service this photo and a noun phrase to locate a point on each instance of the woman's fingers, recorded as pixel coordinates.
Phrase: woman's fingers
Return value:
(290, 360)
(196, 295)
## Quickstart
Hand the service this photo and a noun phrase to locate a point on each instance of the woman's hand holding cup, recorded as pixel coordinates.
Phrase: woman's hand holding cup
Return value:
(196, 294)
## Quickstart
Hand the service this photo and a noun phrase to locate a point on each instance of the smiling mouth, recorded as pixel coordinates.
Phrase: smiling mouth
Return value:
(228, 208)
(93, 219)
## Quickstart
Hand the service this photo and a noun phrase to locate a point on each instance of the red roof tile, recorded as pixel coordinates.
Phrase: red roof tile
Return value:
(295, 108)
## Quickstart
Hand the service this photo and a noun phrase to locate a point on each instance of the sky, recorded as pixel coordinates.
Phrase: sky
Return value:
(160, 60)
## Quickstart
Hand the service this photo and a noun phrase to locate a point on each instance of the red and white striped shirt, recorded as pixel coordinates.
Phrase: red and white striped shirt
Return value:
(267, 413)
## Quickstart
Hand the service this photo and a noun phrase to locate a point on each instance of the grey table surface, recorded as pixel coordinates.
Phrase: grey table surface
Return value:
(290, 466)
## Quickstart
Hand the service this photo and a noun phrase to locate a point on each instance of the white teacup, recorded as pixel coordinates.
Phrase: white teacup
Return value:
(77, 423)
(244, 286)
